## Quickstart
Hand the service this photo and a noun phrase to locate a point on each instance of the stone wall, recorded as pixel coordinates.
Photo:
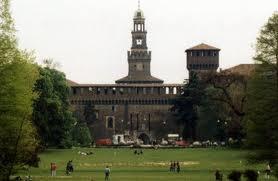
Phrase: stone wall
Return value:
(128, 109)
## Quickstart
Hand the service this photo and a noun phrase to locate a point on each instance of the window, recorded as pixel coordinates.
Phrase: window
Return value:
(198, 54)
(175, 90)
(98, 90)
(74, 91)
(105, 91)
(121, 91)
(113, 108)
(114, 91)
(110, 122)
(167, 90)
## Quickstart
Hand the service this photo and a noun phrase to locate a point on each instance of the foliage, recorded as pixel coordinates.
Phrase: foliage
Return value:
(262, 109)
(18, 143)
(211, 118)
(186, 105)
(230, 96)
(81, 135)
(52, 115)
(251, 175)
(234, 176)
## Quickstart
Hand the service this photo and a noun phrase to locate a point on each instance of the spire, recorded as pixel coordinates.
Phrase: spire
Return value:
(138, 4)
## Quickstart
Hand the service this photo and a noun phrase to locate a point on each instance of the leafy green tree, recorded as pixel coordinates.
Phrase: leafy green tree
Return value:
(262, 97)
(18, 143)
(186, 106)
(81, 135)
(52, 115)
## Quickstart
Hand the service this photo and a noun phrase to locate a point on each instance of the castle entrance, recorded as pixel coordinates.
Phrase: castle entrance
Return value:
(145, 138)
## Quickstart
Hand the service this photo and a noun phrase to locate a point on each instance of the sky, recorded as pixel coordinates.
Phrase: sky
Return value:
(90, 38)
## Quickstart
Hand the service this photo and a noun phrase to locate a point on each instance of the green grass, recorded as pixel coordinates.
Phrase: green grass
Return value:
(196, 164)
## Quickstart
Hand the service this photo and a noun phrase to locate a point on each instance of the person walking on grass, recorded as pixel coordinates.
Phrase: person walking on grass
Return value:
(53, 169)
(174, 166)
(178, 167)
(171, 166)
(107, 173)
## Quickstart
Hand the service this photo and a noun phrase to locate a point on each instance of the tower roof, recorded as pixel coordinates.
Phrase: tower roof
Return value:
(203, 46)
(140, 79)
(138, 14)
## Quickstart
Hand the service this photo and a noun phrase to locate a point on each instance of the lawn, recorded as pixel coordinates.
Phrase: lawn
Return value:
(196, 164)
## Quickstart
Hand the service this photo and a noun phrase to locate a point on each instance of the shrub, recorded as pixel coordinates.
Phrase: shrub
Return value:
(234, 176)
(251, 175)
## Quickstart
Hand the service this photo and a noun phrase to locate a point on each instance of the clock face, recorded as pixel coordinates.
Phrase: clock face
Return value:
(139, 66)
(139, 42)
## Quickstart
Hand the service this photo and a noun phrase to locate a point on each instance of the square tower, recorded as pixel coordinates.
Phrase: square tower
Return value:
(202, 58)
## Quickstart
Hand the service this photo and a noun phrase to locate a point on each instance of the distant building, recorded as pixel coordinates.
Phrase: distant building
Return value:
(138, 104)
(202, 58)
(242, 69)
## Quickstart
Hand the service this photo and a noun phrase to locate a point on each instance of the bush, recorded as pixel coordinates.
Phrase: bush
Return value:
(234, 176)
(251, 175)
(81, 135)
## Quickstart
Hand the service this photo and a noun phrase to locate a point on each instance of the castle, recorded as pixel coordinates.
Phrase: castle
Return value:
(137, 105)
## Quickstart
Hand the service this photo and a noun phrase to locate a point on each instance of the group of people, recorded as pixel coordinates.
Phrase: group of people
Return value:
(69, 168)
(175, 167)
(138, 152)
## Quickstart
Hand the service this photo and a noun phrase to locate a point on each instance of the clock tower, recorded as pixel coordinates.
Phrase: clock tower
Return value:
(139, 58)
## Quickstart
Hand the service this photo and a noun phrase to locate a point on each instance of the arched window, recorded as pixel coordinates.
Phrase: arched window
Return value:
(175, 90)
(167, 90)
(114, 90)
(110, 122)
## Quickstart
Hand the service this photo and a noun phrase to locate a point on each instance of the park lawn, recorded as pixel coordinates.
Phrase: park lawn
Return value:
(196, 164)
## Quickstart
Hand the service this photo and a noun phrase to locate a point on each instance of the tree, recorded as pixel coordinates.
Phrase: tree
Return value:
(81, 135)
(18, 143)
(211, 117)
(52, 115)
(262, 98)
(186, 105)
(230, 94)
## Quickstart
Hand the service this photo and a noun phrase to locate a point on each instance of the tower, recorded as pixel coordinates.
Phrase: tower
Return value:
(139, 58)
(202, 58)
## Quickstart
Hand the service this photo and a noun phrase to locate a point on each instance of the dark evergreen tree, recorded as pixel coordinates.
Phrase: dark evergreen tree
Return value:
(186, 106)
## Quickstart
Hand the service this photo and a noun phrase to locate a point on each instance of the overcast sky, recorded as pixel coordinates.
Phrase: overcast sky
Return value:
(90, 38)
